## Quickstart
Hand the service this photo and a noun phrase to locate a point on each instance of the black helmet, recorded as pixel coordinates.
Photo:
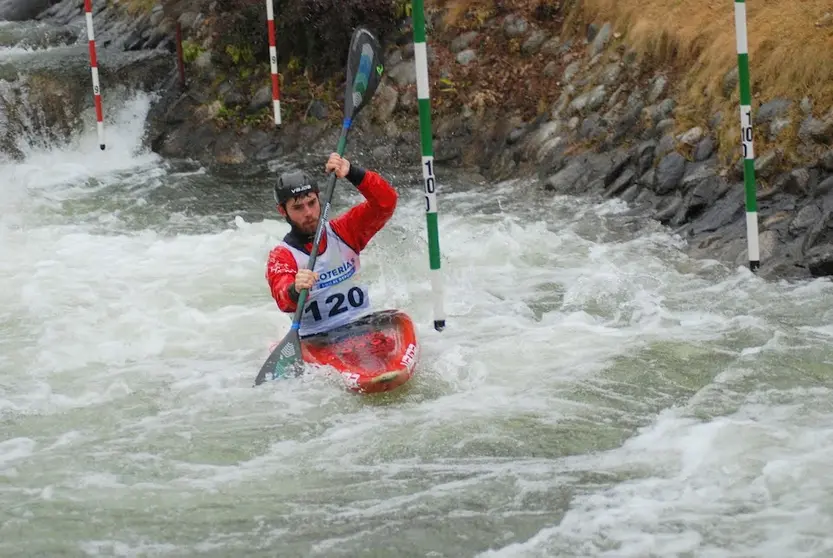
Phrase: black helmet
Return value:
(294, 185)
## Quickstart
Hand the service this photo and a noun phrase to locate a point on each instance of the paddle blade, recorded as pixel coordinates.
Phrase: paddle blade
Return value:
(284, 361)
(364, 71)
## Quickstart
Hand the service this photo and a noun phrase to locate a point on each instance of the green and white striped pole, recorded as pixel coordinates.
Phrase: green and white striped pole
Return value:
(746, 136)
(426, 139)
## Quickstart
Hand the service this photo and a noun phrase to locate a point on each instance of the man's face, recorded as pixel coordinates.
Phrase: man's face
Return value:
(303, 212)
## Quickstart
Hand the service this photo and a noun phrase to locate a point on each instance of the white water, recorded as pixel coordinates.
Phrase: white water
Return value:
(596, 392)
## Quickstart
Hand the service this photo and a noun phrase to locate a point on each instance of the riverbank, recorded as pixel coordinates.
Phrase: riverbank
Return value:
(583, 98)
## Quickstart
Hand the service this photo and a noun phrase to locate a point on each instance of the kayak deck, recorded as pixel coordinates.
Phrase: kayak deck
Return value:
(376, 353)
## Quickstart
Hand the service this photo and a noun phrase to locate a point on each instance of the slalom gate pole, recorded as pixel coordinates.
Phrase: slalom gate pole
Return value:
(273, 60)
(746, 136)
(99, 112)
(426, 139)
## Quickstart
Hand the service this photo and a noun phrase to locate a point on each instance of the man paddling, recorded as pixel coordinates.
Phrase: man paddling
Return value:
(335, 297)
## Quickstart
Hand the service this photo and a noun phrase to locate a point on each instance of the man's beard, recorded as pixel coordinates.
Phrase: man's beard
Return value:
(305, 231)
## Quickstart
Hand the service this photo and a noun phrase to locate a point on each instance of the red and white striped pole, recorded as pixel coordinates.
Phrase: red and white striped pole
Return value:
(99, 113)
(273, 59)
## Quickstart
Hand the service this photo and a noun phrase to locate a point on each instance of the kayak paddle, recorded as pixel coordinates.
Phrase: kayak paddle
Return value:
(364, 71)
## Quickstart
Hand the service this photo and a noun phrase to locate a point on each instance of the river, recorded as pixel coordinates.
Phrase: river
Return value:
(596, 391)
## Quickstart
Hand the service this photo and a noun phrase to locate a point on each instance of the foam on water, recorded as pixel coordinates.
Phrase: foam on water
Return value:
(596, 392)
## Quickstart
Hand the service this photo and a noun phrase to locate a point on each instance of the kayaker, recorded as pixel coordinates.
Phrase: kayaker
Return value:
(336, 295)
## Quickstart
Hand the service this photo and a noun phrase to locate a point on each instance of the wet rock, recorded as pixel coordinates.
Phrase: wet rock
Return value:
(820, 261)
(22, 10)
(669, 173)
(729, 208)
(621, 183)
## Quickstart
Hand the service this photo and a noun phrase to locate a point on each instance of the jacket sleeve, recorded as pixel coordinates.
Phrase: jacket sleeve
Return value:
(280, 274)
(360, 223)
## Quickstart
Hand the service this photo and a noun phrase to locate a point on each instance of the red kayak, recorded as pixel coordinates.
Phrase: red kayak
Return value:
(374, 354)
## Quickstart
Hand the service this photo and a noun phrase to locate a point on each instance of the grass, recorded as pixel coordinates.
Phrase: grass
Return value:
(790, 42)
(789, 46)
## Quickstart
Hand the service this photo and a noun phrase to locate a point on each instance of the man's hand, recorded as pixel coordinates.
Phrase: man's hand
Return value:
(339, 164)
(305, 279)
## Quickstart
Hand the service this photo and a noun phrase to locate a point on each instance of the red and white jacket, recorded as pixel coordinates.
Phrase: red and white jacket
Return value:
(354, 228)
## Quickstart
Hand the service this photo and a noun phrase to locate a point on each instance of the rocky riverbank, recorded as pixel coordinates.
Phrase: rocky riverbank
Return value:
(524, 92)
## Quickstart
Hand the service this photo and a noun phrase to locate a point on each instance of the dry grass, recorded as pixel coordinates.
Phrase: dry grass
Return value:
(789, 53)
(790, 47)
(790, 42)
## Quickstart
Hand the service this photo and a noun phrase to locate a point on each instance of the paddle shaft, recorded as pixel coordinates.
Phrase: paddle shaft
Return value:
(325, 208)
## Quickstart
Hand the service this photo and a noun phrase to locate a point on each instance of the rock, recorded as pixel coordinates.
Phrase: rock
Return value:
(611, 74)
(669, 173)
(649, 179)
(385, 103)
(730, 82)
(767, 164)
(820, 261)
(826, 161)
(227, 150)
(657, 90)
(703, 195)
(620, 184)
(463, 41)
(704, 149)
(778, 126)
(261, 99)
(403, 74)
(795, 182)
(804, 219)
(771, 110)
(668, 208)
(551, 47)
(723, 212)
(645, 155)
(466, 57)
(816, 130)
(593, 128)
(534, 42)
(562, 103)
(189, 20)
(692, 137)
(600, 40)
(806, 106)
(514, 26)
(824, 187)
(550, 69)
(698, 172)
(22, 10)
(665, 126)
(571, 71)
(666, 145)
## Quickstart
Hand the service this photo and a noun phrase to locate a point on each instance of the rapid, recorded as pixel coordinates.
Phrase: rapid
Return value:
(596, 393)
